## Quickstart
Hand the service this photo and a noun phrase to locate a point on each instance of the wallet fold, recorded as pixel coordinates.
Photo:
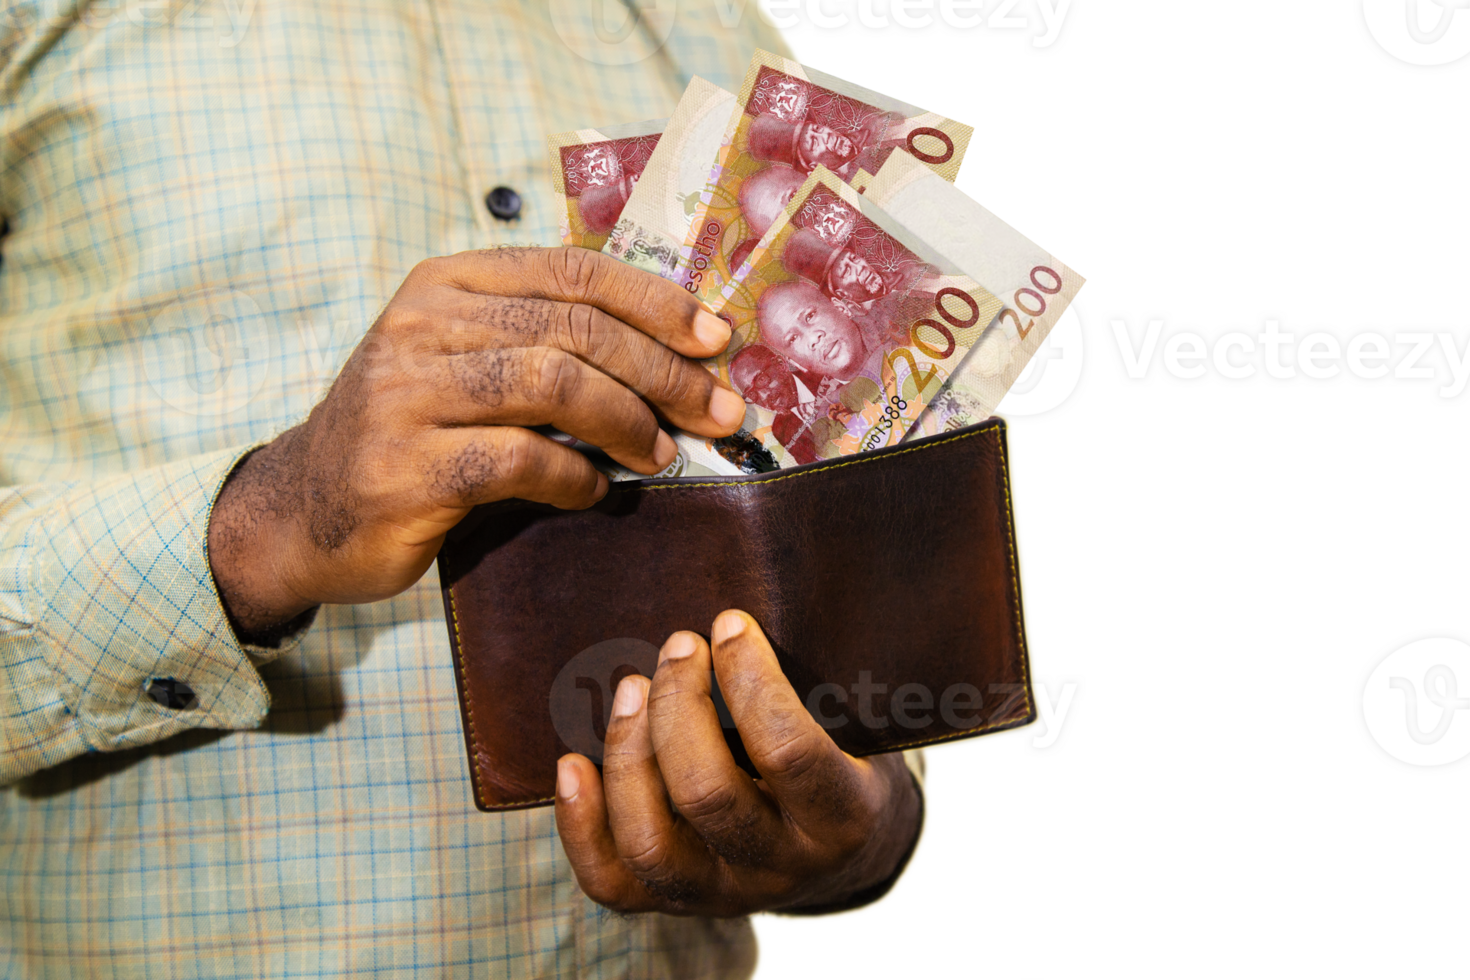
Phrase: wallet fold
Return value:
(887, 583)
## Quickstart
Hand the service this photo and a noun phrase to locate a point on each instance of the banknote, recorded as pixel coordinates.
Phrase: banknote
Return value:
(845, 325)
(1034, 285)
(790, 120)
(594, 172)
(669, 162)
(736, 455)
(696, 457)
(655, 220)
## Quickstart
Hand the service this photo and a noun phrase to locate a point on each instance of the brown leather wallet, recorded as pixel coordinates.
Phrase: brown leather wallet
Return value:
(887, 583)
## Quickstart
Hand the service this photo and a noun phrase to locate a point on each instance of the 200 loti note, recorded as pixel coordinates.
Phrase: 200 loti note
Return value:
(593, 174)
(846, 325)
(727, 164)
(724, 160)
(1035, 286)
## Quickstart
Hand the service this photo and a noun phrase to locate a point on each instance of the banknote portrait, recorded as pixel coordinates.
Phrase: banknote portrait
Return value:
(801, 125)
(594, 178)
(828, 319)
(764, 377)
(790, 121)
(854, 270)
(814, 334)
(601, 205)
(838, 320)
(765, 194)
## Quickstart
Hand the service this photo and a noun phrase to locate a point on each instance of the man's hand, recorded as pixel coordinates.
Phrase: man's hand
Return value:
(428, 417)
(674, 825)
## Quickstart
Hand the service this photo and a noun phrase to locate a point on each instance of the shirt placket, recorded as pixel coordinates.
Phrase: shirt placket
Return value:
(498, 120)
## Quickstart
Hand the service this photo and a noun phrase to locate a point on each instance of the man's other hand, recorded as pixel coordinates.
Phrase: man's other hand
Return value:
(674, 825)
(430, 417)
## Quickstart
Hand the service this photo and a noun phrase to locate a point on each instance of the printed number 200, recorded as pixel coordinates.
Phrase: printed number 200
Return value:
(1026, 298)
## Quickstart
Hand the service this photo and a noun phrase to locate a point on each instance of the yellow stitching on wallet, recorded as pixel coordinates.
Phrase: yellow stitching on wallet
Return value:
(948, 737)
(1005, 476)
(1015, 578)
(1010, 544)
(520, 804)
(1016, 608)
(820, 469)
(469, 711)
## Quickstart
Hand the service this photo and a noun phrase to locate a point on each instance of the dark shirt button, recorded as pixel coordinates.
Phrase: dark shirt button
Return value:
(504, 203)
(171, 693)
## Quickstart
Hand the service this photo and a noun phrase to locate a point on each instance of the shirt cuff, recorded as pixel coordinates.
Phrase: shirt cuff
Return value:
(920, 764)
(115, 580)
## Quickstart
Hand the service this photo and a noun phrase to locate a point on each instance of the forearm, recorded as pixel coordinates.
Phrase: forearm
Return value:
(248, 557)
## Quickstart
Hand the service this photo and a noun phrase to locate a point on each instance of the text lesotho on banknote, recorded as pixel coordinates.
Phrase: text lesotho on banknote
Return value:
(655, 219)
(1034, 285)
(594, 172)
(845, 326)
(791, 120)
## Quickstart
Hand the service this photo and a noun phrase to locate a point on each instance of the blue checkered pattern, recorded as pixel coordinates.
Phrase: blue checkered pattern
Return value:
(208, 201)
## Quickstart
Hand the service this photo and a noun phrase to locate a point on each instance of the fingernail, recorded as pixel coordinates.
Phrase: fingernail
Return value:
(628, 699)
(728, 626)
(726, 408)
(664, 450)
(711, 330)
(567, 780)
(680, 645)
(602, 487)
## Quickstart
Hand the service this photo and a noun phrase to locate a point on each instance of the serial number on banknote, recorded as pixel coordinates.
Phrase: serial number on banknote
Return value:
(892, 412)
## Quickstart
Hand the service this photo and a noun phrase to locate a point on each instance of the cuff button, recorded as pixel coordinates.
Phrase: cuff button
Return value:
(171, 693)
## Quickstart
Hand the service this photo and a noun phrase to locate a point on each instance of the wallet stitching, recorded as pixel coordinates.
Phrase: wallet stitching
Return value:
(469, 714)
(1015, 607)
(917, 743)
(948, 737)
(820, 469)
(1005, 478)
(469, 710)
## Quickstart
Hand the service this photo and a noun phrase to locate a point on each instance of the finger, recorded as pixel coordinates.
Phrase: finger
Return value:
(480, 465)
(581, 822)
(546, 386)
(662, 851)
(723, 804)
(684, 391)
(667, 313)
(818, 784)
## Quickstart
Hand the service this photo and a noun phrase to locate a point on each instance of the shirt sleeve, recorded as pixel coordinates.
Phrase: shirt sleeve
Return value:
(920, 766)
(105, 587)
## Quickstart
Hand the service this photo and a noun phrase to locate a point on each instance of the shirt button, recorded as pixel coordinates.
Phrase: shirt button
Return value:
(171, 693)
(504, 203)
